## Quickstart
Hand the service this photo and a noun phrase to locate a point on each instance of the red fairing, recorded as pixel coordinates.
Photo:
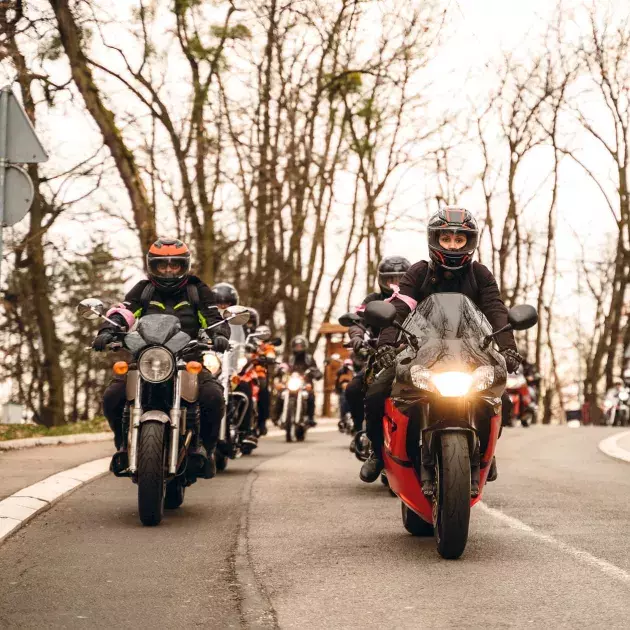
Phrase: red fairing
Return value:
(402, 476)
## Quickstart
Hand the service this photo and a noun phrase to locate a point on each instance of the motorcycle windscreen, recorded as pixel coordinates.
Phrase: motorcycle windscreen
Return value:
(450, 329)
(158, 329)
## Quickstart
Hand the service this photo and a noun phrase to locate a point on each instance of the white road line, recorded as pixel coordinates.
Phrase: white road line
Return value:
(610, 446)
(22, 506)
(579, 554)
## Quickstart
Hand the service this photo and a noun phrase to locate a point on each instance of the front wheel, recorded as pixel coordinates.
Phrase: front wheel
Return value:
(300, 432)
(451, 506)
(174, 496)
(290, 418)
(151, 478)
(414, 524)
(221, 460)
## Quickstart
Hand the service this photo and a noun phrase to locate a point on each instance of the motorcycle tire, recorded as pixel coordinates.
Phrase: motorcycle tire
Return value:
(415, 525)
(451, 506)
(151, 473)
(300, 433)
(289, 421)
(221, 460)
(174, 496)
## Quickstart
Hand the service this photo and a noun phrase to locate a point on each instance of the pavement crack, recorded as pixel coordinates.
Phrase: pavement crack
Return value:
(255, 607)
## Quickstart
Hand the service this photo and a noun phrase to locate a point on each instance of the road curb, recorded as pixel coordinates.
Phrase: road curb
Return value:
(19, 508)
(609, 446)
(78, 438)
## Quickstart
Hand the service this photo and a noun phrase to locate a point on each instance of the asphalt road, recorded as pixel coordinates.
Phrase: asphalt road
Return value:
(291, 538)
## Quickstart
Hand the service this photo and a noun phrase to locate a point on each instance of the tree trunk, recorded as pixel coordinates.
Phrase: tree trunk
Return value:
(70, 34)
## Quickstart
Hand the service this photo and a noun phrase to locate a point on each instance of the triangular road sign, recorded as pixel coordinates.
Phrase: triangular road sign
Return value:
(23, 145)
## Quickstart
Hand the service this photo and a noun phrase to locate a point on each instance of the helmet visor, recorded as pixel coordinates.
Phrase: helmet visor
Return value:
(390, 279)
(169, 267)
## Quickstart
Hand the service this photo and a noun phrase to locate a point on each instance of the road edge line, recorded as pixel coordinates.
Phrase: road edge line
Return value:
(19, 508)
(610, 447)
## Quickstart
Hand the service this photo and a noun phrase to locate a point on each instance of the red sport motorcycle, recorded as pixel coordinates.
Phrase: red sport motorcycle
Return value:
(523, 405)
(443, 418)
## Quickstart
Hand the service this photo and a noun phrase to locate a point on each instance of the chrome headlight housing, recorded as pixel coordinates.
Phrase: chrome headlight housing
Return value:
(212, 362)
(295, 383)
(623, 395)
(156, 365)
(453, 384)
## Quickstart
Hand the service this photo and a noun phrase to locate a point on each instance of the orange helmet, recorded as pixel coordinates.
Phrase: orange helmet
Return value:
(168, 264)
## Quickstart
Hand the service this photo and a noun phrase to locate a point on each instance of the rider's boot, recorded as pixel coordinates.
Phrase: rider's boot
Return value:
(210, 467)
(371, 469)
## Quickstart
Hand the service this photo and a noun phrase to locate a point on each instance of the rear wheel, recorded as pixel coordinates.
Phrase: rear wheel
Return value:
(151, 477)
(451, 508)
(415, 525)
(174, 496)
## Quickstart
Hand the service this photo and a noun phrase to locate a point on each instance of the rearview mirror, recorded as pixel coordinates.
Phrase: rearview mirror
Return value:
(91, 308)
(238, 315)
(522, 317)
(379, 314)
(349, 319)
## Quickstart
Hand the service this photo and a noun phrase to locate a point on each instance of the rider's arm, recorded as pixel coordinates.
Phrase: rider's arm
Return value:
(492, 305)
(131, 303)
(315, 371)
(405, 299)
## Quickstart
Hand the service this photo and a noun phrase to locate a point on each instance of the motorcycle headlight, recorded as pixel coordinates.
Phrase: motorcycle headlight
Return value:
(295, 383)
(483, 377)
(623, 396)
(212, 362)
(156, 365)
(452, 384)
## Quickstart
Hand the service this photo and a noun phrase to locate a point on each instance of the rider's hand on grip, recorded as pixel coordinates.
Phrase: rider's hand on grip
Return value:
(385, 357)
(103, 340)
(356, 344)
(512, 359)
(220, 343)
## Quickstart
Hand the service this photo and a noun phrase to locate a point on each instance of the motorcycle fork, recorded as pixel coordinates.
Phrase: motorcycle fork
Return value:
(136, 414)
(430, 442)
(298, 407)
(285, 407)
(225, 383)
(176, 418)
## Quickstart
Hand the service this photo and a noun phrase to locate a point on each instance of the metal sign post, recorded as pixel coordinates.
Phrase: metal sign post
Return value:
(19, 144)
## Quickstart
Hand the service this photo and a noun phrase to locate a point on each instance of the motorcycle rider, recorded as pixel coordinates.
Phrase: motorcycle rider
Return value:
(390, 272)
(453, 236)
(265, 369)
(301, 361)
(225, 295)
(170, 289)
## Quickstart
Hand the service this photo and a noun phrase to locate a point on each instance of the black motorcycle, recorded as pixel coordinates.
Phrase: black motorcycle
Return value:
(157, 428)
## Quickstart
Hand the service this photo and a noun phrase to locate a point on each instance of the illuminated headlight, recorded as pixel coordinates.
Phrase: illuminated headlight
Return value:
(241, 363)
(624, 396)
(452, 384)
(212, 362)
(295, 383)
(156, 365)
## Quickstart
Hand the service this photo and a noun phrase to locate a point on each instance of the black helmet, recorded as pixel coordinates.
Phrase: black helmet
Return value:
(224, 293)
(252, 322)
(390, 271)
(168, 264)
(457, 221)
(299, 344)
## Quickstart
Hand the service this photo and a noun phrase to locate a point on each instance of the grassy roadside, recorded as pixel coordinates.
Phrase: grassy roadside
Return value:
(17, 431)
